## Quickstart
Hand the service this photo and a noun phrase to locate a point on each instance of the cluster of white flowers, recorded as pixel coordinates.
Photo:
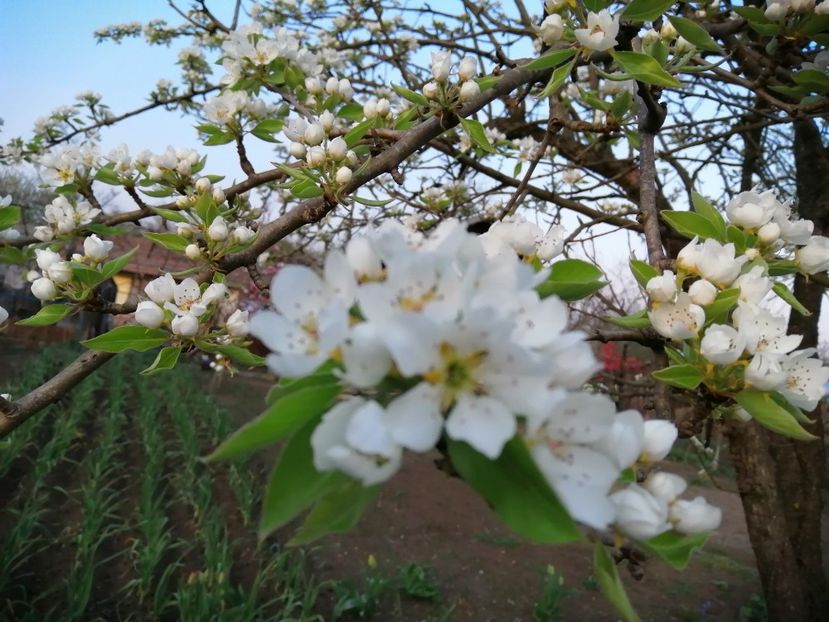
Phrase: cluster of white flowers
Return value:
(56, 274)
(755, 340)
(440, 90)
(173, 166)
(64, 217)
(69, 164)
(777, 10)
(481, 356)
(248, 48)
(184, 307)
(233, 109)
(528, 149)
(516, 235)
(313, 142)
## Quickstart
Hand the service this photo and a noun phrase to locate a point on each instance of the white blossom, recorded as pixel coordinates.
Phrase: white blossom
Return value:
(149, 314)
(237, 324)
(659, 436)
(662, 288)
(96, 249)
(695, 516)
(601, 31)
(702, 292)
(639, 514)
(814, 256)
(44, 289)
(677, 320)
(722, 344)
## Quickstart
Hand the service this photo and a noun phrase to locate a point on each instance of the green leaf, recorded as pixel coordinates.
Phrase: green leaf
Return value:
(644, 68)
(681, 376)
(50, 314)
(694, 33)
(128, 338)
(351, 110)
(337, 512)
(571, 279)
(477, 134)
(85, 274)
(771, 415)
(611, 585)
(271, 126)
(170, 214)
(710, 213)
(596, 5)
(306, 189)
(356, 133)
(281, 418)
(516, 490)
(415, 98)
(166, 359)
(718, 310)
(111, 268)
(240, 355)
(9, 216)
(793, 410)
(106, 230)
(736, 236)
(634, 320)
(642, 271)
(550, 60)
(674, 548)
(106, 174)
(786, 294)
(757, 20)
(12, 255)
(323, 376)
(557, 79)
(220, 138)
(691, 224)
(621, 104)
(169, 240)
(206, 209)
(676, 357)
(372, 202)
(782, 267)
(646, 10)
(487, 82)
(294, 484)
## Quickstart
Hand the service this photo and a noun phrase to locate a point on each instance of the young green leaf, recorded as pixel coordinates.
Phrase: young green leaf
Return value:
(642, 271)
(171, 241)
(694, 33)
(680, 376)
(691, 224)
(559, 75)
(571, 279)
(788, 297)
(9, 216)
(674, 548)
(551, 59)
(128, 338)
(634, 320)
(604, 569)
(407, 94)
(111, 268)
(166, 359)
(477, 134)
(645, 10)
(718, 310)
(710, 213)
(645, 69)
(771, 415)
(336, 512)
(50, 314)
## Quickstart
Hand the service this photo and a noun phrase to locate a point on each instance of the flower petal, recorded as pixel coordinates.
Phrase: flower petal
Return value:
(483, 422)
(414, 418)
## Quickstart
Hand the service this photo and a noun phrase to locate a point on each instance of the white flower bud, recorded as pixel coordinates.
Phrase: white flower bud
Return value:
(192, 251)
(44, 289)
(695, 516)
(722, 344)
(315, 156)
(344, 175)
(241, 235)
(467, 68)
(639, 514)
(95, 248)
(154, 173)
(43, 233)
(659, 437)
(262, 259)
(469, 90)
(650, 37)
(4, 315)
(314, 134)
(552, 29)
(77, 257)
(370, 109)
(702, 292)
(776, 11)
(237, 324)
(383, 107)
(32, 275)
(668, 31)
(218, 195)
(430, 90)
(203, 184)
(213, 293)
(332, 85)
(326, 120)
(662, 288)
(45, 258)
(149, 314)
(345, 90)
(665, 486)
(752, 254)
(161, 289)
(218, 231)
(337, 149)
(185, 230)
(769, 233)
(183, 202)
(814, 256)
(441, 65)
(682, 45)
(297, 150)
(59, 272)
(313, 85)
(185, 325)
(352, 158)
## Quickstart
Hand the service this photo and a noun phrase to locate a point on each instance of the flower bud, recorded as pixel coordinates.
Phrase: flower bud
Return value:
(650, 37)
(430, 90)
(352, 158)
(315, 156)
(4, 315)
(183, 202)
(552, 29)
(659, 437)
(752, 254)
(769, 233)
(45, 258)
(185, 230)
(192, 251)
(383, 107)
(237, 324)
(337, 148)
(345, 90)
(682, 45)
(662, 288)
(214, 293)
(43, 233)
(203, 184)
(370, 109)
(242, 235)
(44, 289)
(32, 275)
(326, 120)
(332, 85)
(314, 134)
(161, 289)
(639, 514)
(217, 231)
(668, 31)
(154, 173)
(297, 150)
(95, 248)
(695, 516)
(59, 272)
(185, 325)
(665, 486)
(469, 90)
(313, 85)
(441, 66)
(467, 68)
(149, 314)
(344, 175)
(702, 292)
(814, 256)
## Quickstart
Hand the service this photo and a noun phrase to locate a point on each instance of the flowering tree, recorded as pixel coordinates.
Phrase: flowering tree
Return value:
(440, 163)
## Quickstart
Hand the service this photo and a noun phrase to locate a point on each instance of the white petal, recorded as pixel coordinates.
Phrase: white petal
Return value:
(580, 418)
(186, 292)
(365, 357)
(297, 292)
(483, 422)
(367, 431)
(414, 418)
(331, 432)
